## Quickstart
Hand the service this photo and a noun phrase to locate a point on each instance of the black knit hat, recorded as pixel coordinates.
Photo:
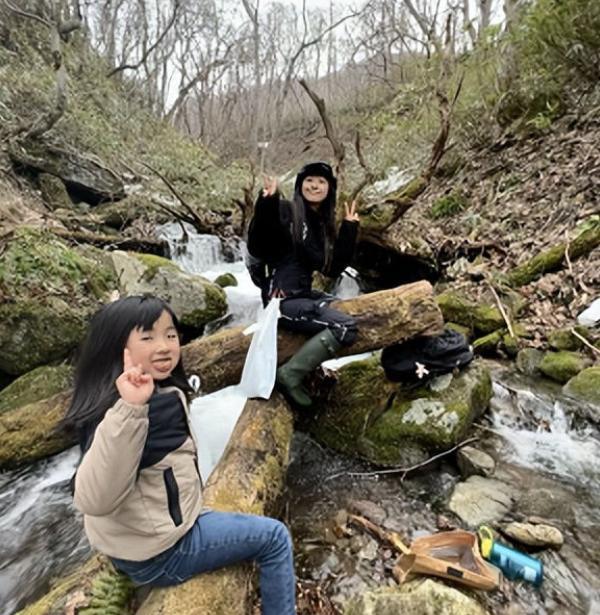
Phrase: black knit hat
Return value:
(315, 169)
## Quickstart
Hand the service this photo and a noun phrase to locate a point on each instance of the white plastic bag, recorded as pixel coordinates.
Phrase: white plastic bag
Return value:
(214, 416)
(258, 377)
(590, 317)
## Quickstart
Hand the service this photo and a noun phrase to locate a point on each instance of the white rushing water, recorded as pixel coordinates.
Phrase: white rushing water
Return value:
(538, 430)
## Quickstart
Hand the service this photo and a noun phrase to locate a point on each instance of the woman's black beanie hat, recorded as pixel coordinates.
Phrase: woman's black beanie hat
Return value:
(316, 169)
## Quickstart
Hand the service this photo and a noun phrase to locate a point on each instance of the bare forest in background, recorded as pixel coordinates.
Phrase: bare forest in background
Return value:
(226, 71)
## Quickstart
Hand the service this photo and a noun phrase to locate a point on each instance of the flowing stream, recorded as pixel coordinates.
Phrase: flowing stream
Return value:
(531, 431)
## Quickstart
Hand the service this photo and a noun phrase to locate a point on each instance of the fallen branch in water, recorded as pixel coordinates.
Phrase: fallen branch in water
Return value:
(405, 471)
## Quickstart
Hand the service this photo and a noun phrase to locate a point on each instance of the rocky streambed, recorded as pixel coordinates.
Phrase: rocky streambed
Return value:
(545, 472)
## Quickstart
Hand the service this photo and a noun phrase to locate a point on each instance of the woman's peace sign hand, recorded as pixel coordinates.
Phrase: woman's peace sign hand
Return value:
(134, 386)
(351, 213)
(270, 185)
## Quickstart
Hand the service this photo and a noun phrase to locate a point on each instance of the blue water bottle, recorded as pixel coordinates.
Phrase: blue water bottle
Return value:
(513, 563)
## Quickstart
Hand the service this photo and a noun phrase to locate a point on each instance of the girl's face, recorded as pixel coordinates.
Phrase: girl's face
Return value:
(156, 350)
(315, 189)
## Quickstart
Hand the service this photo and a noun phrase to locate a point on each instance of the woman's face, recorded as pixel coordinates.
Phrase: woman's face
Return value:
(315, 189)
(157, 350)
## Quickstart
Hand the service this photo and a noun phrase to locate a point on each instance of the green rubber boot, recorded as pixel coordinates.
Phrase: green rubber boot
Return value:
(317, 349)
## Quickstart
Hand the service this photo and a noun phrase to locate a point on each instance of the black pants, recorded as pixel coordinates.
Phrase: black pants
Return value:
(311, 315)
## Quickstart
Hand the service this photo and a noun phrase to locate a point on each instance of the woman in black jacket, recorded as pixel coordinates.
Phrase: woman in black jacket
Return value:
(287, 242)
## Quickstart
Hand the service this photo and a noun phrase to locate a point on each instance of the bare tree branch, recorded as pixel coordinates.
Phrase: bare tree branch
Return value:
(152, 47)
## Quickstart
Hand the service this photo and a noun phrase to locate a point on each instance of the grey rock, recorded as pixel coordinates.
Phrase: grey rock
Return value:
(473, 461)
(481, 500)
(528, 361)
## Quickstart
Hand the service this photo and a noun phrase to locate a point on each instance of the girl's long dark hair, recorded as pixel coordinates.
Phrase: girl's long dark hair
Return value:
(100, 358)
(326, 212)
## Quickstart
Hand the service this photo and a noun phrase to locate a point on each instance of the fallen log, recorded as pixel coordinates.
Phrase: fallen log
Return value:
(554, 258)
(146, 245)
(249, 478)
(385, 317)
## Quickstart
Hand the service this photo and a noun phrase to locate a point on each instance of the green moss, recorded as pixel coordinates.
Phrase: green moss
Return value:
(464, 331)
(562, 366)
(153, 263)
(479, 318)
(448, 205)
(563, 339)
(40, 383)
(225, 280)
(110, 594)
(214, 307)
(585, 385)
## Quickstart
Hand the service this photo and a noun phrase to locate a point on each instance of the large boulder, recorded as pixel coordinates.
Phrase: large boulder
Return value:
(422, 597)
(47, 292)
(368, 416)
(194, 299)
(87, 179)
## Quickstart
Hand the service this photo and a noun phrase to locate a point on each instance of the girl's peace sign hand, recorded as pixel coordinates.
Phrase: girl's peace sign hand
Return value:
(133, 385)
(351, 213)
(270, 185)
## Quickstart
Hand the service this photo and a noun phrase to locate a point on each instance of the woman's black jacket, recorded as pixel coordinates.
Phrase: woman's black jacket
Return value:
(277, 264)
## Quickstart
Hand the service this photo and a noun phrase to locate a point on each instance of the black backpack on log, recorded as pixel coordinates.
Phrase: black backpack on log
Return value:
(418, 359)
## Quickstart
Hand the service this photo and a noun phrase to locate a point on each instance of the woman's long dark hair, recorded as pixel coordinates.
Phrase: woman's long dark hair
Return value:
(100, 358)
(326, 209)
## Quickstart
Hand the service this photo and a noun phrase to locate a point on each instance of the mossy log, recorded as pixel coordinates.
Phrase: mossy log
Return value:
(249, 478)
(385, 317)
(554, 258)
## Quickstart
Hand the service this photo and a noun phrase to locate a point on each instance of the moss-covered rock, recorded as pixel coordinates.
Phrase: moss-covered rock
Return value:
(482, 319)
(585, 386)
(420, 597)
(562, 366)
(53, 289)
(563, 339)
(29, 432)
(368, 416)
(195, 300)
(40, 383)
(226, 279)
(528, 361)
(121, 214)
(464, 331)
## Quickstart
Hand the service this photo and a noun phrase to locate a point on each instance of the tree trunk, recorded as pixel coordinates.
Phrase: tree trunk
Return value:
(385, 317)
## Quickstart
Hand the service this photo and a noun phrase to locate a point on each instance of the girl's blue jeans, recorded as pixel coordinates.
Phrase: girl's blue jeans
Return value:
(219, 539)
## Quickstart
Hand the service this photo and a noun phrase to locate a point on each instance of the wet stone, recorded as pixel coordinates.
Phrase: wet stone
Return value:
(473, 461)
(535, 535)
(481, 500)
